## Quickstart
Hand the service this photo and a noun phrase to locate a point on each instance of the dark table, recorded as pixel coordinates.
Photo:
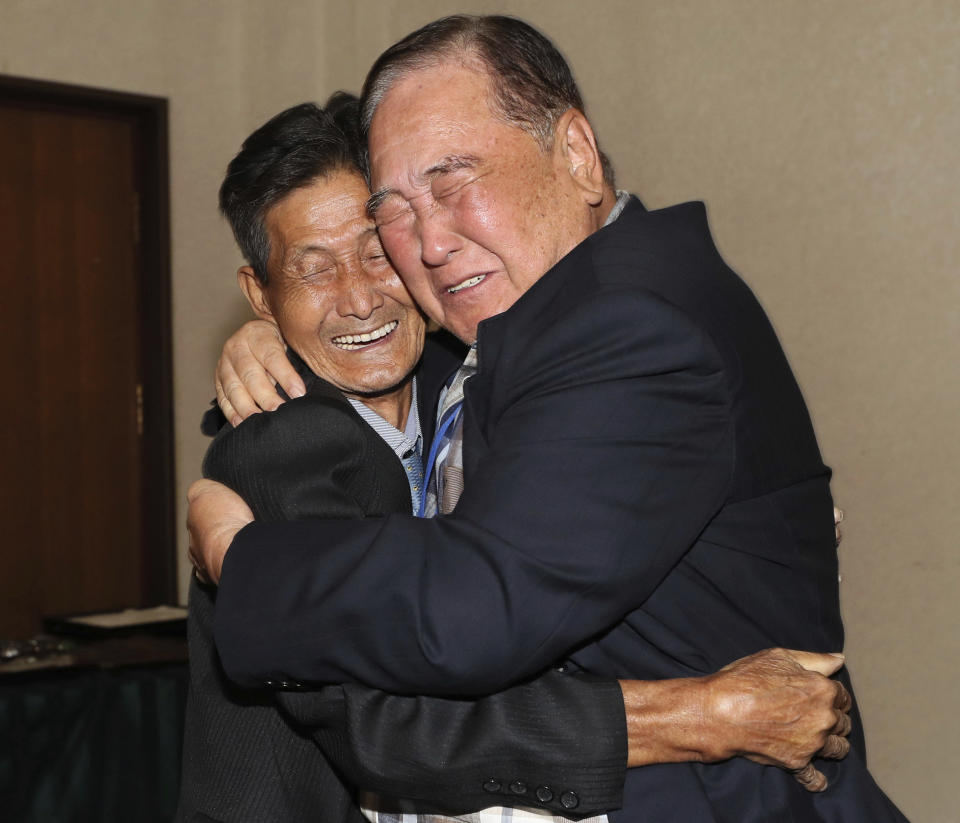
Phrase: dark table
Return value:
(94, 733)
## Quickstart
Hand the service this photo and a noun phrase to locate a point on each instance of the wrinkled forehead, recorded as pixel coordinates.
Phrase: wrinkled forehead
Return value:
(329, 211)
(429, 112)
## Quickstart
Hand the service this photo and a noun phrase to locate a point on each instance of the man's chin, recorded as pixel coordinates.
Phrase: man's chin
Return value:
(374, 386)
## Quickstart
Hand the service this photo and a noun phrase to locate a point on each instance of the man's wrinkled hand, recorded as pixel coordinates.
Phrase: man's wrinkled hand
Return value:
(779, 708)
(214, 516)
(253, 362)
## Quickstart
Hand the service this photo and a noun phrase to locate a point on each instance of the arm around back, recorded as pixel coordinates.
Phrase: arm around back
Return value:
(598, 445)
(314, 457)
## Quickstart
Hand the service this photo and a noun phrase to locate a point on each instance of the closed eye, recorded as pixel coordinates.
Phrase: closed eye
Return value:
(391, 210)
(316, 274)
(371, 250)
(451, 175)
(445, 188)
(374, 259)
(318, 267)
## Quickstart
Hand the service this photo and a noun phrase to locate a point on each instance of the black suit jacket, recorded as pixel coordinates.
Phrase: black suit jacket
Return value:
(644, 495)
(246, 761)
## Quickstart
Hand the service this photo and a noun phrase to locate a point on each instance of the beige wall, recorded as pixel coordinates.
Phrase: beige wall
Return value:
(822, 137)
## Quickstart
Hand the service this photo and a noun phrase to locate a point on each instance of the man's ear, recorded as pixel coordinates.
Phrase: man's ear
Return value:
(255, 292)
(578, 146)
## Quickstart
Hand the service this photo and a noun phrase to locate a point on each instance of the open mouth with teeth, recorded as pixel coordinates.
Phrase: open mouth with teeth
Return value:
(466, 284)
(352, 342)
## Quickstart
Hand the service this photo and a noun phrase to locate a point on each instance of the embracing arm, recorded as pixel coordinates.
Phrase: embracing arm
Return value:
(562, 731)
(373, 562)
(567, 733)
(776, 707)
(604, 465)
(252, 363)
(559, 731)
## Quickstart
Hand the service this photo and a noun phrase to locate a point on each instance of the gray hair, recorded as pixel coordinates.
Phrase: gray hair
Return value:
(531, 83)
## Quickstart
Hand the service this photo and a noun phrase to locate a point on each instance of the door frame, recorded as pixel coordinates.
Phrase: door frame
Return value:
(158, 533)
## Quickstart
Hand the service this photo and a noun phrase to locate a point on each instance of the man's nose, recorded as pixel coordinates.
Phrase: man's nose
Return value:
(438, 242)
(359, 295)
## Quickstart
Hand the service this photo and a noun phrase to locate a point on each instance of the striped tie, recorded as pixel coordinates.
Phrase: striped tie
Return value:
(444, 481)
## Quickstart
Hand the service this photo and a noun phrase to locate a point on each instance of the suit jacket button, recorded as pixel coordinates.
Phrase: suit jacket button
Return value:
(518, 787)
(492, 785)
(569, 800)
(544, 795)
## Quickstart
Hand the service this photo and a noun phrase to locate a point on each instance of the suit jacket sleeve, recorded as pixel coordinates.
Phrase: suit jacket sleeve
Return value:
(607, 443)
(556, 730)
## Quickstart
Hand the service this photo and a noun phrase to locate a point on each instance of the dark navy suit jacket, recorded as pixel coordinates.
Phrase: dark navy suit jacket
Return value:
(644, 497)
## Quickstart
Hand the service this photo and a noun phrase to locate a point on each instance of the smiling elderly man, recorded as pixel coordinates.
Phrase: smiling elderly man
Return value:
(643, 493)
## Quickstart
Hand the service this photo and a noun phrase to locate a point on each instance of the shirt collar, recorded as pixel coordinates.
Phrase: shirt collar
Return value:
(623, 197)
(402, 442)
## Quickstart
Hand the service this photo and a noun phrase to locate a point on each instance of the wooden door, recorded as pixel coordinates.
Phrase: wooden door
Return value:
(72, 364)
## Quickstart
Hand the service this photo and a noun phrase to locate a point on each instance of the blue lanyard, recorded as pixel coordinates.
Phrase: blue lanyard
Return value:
(445, 424)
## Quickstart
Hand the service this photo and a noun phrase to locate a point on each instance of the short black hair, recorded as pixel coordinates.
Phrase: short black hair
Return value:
(531, 82)
(289, 151)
